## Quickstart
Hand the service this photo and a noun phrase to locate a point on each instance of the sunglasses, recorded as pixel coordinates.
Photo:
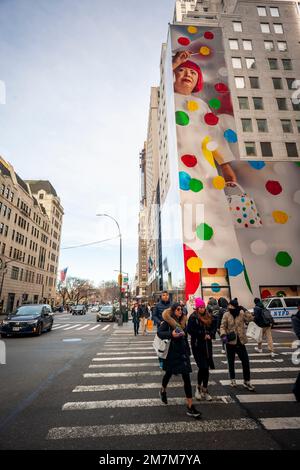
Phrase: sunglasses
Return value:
(179, 308)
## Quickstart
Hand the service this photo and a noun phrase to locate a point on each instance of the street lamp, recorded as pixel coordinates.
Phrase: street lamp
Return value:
(120, 322)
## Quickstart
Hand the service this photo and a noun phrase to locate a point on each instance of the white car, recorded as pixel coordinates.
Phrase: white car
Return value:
(96, 308)
(281, 308)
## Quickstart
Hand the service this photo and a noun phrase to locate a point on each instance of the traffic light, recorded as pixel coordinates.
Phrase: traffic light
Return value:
(120, 280)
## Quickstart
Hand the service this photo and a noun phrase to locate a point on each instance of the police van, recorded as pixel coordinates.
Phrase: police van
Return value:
(281, 308)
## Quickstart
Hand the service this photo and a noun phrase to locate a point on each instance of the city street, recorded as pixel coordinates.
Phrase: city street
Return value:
(88, 385)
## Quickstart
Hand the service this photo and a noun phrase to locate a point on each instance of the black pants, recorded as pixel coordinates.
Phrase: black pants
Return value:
(203, 376)
(136, 325)
(241, 351)
(186, 380)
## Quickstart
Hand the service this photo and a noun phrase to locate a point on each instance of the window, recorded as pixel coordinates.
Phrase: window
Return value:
(247, 125)
(261, 11)
(250, 149)
(41, 196)
(291, 149)
(269, 46)
(290, 82)
(258, 103)
(287, 64)
(274, 11)
(243, 102)
(237, 26)
(286, 125)
(298, 125)
(282, 46)
(277, 83)
(247, 44)
(276, 303)
(273, 64)
(262, 125)
(250, 63)
(233, 44)
(239, 82)
(282, 104)
(254, 82)
(296, 106)
(265, 27)
(278, 28)
(236, 62)
(14, 273)
(266, 149)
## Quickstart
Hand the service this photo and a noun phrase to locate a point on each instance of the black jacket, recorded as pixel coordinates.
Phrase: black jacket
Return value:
(135, 315)
(160, 307)
(296, 324)
(178, 358)
(202, 348)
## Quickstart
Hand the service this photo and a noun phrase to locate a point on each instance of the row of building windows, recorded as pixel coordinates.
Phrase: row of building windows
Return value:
(250, 63)
(266, 149)
(264, 27)
(3, 229)
(258, 103)
(5, 211)
(6, 192)
(254, 82)
(262, 125)
(269, 45)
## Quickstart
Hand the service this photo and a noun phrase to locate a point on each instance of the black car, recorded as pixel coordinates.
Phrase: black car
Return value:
(28, 319)
(79, 309)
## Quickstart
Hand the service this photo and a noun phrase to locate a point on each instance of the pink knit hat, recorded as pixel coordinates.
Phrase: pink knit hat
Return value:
(199, 303)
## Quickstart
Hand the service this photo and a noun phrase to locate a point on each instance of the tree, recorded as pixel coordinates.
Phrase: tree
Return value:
(74, 290)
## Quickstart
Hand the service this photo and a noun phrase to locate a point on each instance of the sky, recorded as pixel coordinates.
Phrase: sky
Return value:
(77, 76)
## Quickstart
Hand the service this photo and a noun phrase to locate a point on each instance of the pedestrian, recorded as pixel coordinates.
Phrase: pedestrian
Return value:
(296, 321)
(223, 304)
(135, 313)
(264, 321)
(144, 318)
(183, 306)
(233, 334)
(162, 305)
(202, 329)
(213, 306)
(178, 357)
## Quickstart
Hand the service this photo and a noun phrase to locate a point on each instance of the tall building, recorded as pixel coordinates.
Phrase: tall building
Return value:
(30, 232)
(142, 229)
(182, 7)
(229, 150)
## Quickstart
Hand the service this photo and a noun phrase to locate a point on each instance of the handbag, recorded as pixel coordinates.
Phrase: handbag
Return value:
(150, 325)
(161, 346)
(254, 331)
(231, 336)
(243, 209)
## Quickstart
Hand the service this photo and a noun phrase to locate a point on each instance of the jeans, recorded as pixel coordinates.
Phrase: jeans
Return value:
(241, 351)
(136, 326)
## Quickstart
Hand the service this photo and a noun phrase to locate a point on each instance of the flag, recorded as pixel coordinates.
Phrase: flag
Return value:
(63, 274)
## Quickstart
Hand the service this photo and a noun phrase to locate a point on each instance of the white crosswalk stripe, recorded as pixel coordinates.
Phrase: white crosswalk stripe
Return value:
(79, 327)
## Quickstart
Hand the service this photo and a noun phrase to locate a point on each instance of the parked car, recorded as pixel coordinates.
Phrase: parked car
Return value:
(106, 312)
(281, 308)
(79, 309)
(96, 308)
(28, 319)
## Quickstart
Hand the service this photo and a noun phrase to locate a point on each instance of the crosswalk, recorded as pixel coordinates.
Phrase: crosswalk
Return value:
(80, 327)
(122, 382)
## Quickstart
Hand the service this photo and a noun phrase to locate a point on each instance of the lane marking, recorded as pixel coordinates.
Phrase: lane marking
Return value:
(82, 327)
(262, 381)
(261, 361)
(274, 424)
(266, 398)
(71, 327)
(135, 386)
(105, 328)
(94, 327)
(58, 327)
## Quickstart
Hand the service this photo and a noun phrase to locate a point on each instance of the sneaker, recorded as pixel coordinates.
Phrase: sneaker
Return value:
(163, 396)
(205, 395)
(198, 394)
(223, 351)
(273, 354)
(258, 350)
(193, 412)
(233, 383)
(249, 386)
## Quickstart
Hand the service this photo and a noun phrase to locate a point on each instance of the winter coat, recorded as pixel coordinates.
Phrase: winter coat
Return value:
(296, 324)
(135, 315)
(258, 317)
(178, 358)
(158, 311)
(201, 347)
(230, 324)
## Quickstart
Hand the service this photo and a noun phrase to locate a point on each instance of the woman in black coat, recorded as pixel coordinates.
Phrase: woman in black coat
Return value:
(177, 361)
(202, 328)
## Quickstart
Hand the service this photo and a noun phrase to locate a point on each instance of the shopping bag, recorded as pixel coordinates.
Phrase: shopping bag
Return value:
(254, 331)
(243, 208)
(161, 346)
(149, 325)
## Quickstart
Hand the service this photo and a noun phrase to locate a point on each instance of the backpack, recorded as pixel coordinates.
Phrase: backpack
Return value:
(267, 317)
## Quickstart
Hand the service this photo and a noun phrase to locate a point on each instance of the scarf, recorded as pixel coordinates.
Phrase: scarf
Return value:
(205, 318)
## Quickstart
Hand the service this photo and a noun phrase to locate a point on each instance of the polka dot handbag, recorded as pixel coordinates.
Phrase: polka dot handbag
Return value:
(242, 208)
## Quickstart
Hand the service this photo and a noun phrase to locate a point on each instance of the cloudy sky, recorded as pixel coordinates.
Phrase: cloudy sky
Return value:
(78, 77)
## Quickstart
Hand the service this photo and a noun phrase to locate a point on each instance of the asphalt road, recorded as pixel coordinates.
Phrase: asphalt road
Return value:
(88, 385)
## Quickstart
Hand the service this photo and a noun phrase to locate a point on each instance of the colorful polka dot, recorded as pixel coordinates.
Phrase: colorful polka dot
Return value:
(297, 163)
(230, 136)
(215, 287)
(297, 197)
(212, 146)
(204, 232)
(273, 187)
(258, 247)
(283, 259)
(212, 271)
(214, 103)
(194, 264)
(265, 293)
(182, 118)
(221, 88)
(204, 50)
(209, 35)
(184, 181)
(211, 119)
(280, 293)
(183, 41)
(234, 267)
(207, 153)
(257, 165)
(189, 160)
(196, 185)
(192, 29)
(223, 72)
(218, 182)
(280, 217)
(192, 105)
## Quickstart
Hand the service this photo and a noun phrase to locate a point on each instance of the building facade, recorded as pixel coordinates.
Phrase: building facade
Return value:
(30, 232)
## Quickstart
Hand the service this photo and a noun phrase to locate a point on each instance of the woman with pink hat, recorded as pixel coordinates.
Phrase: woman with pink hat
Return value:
(202, 329)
